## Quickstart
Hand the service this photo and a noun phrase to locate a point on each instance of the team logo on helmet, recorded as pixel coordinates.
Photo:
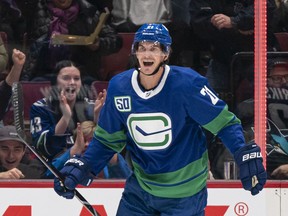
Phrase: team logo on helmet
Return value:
(157, 33)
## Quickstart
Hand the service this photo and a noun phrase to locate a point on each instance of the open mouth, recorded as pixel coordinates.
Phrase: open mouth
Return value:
(10, 163)
(70, 90)
(148, 63)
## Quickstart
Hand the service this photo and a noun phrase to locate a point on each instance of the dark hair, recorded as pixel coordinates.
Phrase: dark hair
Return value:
(59, 66)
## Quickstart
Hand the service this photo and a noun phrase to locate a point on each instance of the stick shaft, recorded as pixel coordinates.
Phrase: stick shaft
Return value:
(18, 106)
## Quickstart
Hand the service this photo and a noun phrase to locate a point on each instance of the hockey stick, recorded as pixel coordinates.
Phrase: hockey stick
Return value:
(66, 39)
(18, 106)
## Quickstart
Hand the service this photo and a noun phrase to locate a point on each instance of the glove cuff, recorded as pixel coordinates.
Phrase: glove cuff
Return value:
(78, 162)
(77, 172)
(247, 153)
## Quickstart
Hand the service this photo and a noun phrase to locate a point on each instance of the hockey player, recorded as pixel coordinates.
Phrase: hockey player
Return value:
(157, 112)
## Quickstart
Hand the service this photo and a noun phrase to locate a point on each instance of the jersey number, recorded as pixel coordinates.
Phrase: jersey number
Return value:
(206, 91)
(35, 125)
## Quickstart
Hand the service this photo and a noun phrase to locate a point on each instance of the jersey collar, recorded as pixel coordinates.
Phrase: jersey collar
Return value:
(148, 94)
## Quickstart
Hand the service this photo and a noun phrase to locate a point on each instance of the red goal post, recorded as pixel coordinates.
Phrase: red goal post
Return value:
(260, 62)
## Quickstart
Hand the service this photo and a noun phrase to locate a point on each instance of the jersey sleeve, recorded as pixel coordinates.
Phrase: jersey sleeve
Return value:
(212, 114)
(205, 107)
(109, 136)
(42, 128)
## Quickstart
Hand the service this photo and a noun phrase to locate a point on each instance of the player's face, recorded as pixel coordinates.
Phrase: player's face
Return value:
(149, 55)
(69, 80)
(278, 77)
(11, 153)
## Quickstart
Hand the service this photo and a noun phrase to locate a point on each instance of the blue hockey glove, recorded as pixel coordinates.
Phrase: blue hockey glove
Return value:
(75, 171)
(252, 173)
(61, 190)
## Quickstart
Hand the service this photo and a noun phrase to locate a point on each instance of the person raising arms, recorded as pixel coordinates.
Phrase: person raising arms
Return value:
(158, 113)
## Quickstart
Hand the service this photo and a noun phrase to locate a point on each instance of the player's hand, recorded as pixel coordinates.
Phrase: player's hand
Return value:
(252, 173)
(61, 190)
(75, 171)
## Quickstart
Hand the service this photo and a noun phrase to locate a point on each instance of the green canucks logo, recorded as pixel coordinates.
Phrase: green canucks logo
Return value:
(150, 131)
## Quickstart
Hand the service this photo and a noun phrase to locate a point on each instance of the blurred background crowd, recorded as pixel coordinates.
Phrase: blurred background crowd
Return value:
(215, 38)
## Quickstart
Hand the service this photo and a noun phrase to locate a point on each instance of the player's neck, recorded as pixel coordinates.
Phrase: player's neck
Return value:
(150, 82)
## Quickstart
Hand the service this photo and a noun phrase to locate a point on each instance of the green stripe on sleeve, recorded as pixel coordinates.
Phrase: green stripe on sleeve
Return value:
(224, 119)
(115, 141)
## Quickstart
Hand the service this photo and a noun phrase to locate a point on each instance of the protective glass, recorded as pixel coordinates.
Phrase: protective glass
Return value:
(279, 78)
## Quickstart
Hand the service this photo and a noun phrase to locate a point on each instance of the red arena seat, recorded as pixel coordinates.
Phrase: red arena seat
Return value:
(282, 38)
(117, 62)
(98, 86)
(31, 93)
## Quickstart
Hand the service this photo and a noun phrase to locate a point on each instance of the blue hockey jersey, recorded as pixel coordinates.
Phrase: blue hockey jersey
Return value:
(162, 129)
(44, 116)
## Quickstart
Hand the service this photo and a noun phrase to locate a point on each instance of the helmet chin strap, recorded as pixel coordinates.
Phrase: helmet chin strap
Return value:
(154, 72)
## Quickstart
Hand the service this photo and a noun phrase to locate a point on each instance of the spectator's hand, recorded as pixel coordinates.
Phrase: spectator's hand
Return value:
(75, 171)
(221, 21)
(18, 57)
(12, 174)
(64, 106)
(252, 173)
(79, 146)
(46, 92)
(51, 92)
(100, 100)
(280, 172)
(114, 160)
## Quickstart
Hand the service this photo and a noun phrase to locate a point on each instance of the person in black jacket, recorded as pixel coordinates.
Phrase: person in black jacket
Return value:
(76, 17)
(228, 26)
(13, 23)
(281, 16)
(18, 59)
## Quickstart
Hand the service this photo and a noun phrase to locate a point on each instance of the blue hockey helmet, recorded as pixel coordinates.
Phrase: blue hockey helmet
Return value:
(153, 32)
